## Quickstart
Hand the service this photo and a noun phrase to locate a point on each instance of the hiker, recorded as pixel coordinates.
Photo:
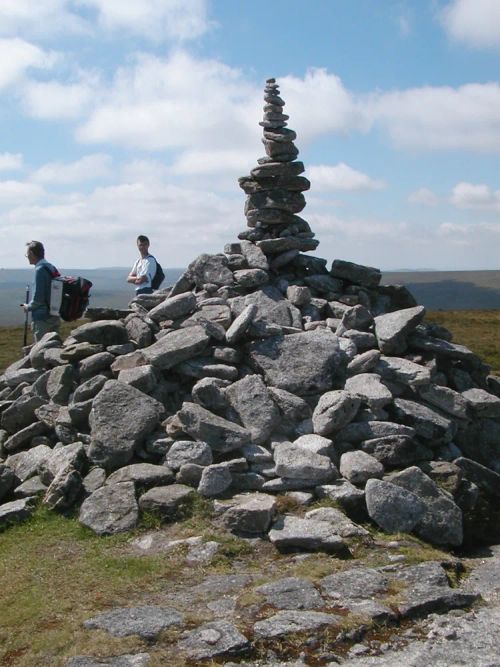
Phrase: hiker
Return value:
(39, 306)
(144, 268)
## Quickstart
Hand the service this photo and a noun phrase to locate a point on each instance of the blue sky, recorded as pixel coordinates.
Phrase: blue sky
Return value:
(120, 118)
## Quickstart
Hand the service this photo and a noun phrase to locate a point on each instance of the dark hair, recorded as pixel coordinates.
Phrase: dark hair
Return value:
(143, 239)
(37, 249)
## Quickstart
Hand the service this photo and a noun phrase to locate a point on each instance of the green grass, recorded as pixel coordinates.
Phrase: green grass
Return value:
(479, 330)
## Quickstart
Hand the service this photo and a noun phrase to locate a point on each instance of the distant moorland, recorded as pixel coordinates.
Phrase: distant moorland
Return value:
(436, 290)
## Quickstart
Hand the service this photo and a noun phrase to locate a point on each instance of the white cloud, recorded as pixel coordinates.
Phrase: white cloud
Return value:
(156, 19)
(214, 162)
(11, 161)
(14, 192)
(41, 17)
(423, 196)
(88, 168)
(17, 56)
(468, 195)
(443, 118)
(53, 100)
(173, 103)
(325, 178)
(473, 22)
(319, 103)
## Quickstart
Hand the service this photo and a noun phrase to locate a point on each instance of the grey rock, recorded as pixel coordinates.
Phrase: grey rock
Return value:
(166, 501)
(288, 622)
(25, 464)
(95, 364)
(442, 521)
(125, 660)
(93, 480)
(143, 475)
(89, 389)
(174, 307)
(367, 276)
(177, 346)
(392, 329)
(102, 332)
(220, 434)
(250, 278)
(147, 621)
(302, 363)
(396, 369)
(209, 269)
(364, 362)
(359, 467)
(393, 508)
(298, 463)
(369, 389)
(213, 639)
(341, 524)
(16, 511)
(129, 360)
(31, 487)
(254, 256)
(357, 317)
(218, 315)
(72, 455)
(356, 432)
(190, 474)
(310, 534)
(355, 583)
(315, 443)
(446, 399)
(215, 479)
(139, 331)
(335, 409)
(74, 352)
(291, 593)
(22, 438)
(428, 423)
(7, 480)
(484, 477)
(395, 451)
(188, 451)
(483, 403)
(201, 367)
(21, 413)
(60, 383)
(240, 324)
(110, 509)
(120, 418)
(257, 411)
(64, 489)
(351, 499)
(208, 392)
(250, 513)
(144, 378)
(16, 377)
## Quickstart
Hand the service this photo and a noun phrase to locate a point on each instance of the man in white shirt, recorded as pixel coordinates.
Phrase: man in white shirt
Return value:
(144, 268)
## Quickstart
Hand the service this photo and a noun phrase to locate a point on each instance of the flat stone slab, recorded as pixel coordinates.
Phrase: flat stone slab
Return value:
(125, 660)
(291, 593)
(15, 511)
(147, 621)
(292, 532)
(357, 583)
(213, 639)
(111, 509)
(288, 622)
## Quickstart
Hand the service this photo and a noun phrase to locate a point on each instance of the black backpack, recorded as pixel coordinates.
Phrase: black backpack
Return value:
(69, 297)
(159, 276)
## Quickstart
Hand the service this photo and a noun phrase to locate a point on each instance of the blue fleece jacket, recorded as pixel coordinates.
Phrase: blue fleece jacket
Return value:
(40, 303)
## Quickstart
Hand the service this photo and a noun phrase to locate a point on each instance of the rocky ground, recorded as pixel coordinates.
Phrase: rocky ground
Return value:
(444, 611)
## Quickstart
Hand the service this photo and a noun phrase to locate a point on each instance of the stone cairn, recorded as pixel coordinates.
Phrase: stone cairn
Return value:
(260, 372)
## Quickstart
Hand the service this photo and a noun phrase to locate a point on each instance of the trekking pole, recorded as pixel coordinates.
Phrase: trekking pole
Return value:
(25, 338)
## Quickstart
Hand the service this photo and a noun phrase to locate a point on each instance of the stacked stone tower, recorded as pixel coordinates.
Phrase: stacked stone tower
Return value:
(274, 187)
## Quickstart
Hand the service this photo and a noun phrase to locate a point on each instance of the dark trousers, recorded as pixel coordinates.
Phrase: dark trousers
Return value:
(144, 290)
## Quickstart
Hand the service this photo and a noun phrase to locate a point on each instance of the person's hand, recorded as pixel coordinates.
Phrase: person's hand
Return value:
(24, 306)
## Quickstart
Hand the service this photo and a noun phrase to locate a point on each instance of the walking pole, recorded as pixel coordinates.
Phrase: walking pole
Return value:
(25, 339)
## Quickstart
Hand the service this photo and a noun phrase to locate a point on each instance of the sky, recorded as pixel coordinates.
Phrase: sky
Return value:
(121, 118)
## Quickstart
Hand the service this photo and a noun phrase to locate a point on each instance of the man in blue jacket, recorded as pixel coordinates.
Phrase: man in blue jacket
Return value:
(39, 306)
